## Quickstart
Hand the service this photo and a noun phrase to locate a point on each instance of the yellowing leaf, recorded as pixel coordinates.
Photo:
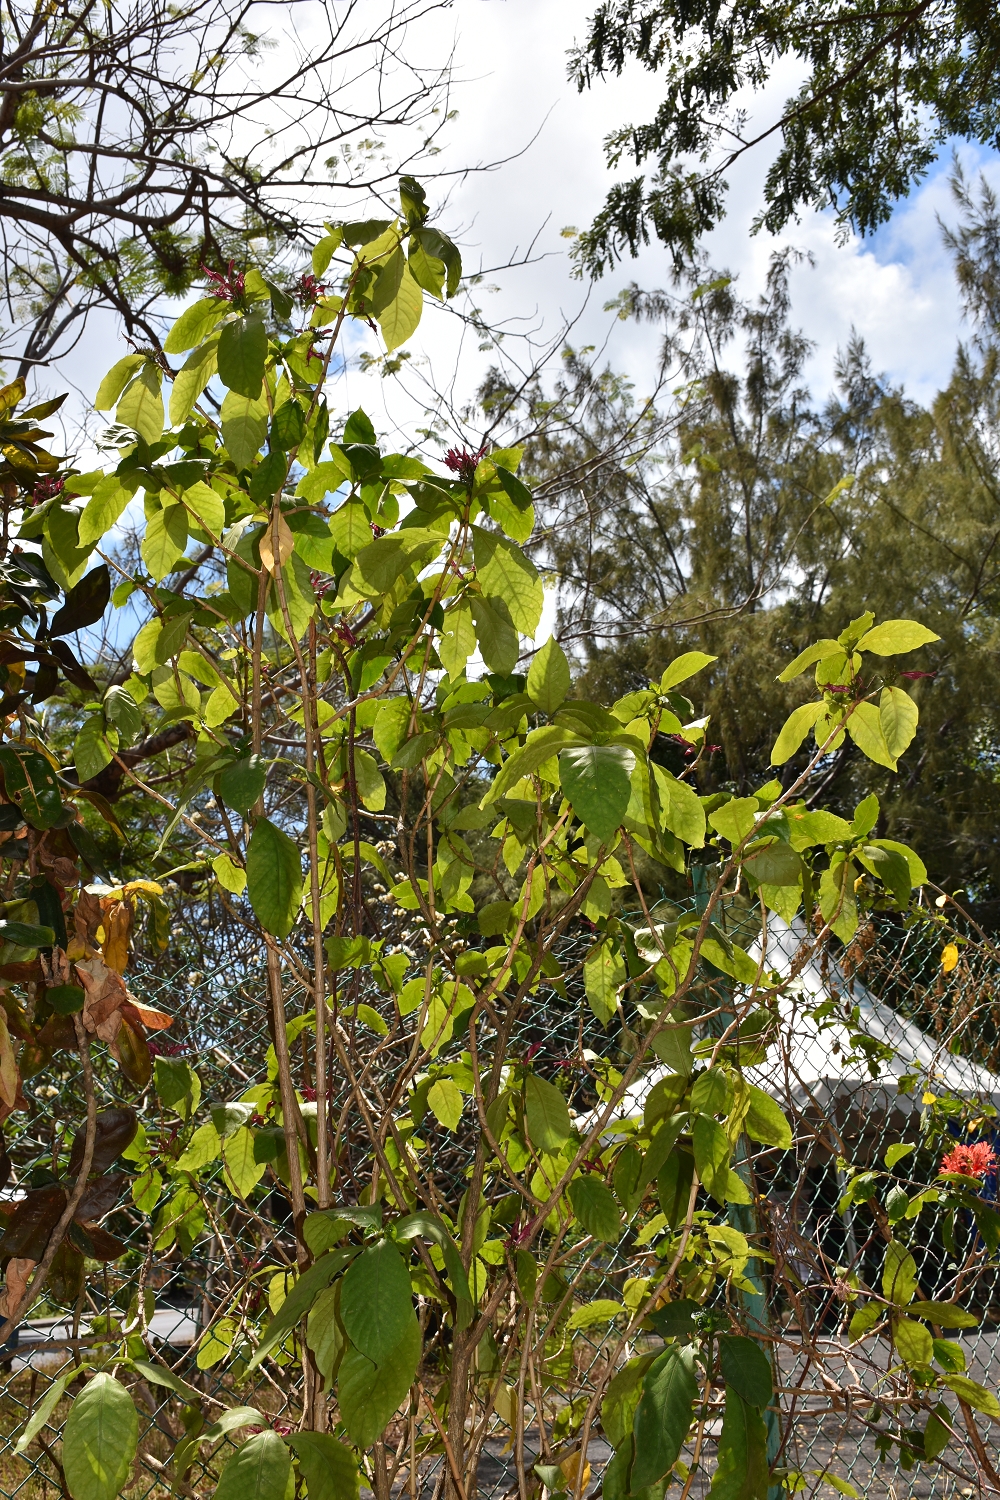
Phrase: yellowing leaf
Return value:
(277, 539)
(949, 957)
(401, 317)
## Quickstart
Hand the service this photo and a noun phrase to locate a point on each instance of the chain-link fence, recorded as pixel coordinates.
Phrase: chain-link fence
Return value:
(231, 1260)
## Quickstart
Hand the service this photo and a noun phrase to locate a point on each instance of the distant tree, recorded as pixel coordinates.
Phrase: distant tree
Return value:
(739, 518)
(139, 141)
(884, 86)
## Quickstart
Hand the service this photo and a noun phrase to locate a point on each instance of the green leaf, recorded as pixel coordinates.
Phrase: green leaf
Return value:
(242, 783)
(178, 1086)
(116, 380)
(242, 355)
(896, 637)
(746, 1368)
(973, 1394)
(28, 935)
(99, 1440)
(195, 324)
(379, 564)
(231, 876)
(735, 820)
(192, 378)
(663, 1415)
(591, 1313)
(595, 779)
(166, 537)
(680, 808)
(741, 1469)
(207, 506)
(547, 1113)
(683, 667)
(376, 1303)
(259, 1470)
(711, 1155)
(433, 1229)
(109, 501)
(244, 426)
(913, 1342)
(43, 1411)
(505, 573)
(513, 509)
(498, 640)
(31, 783)
(539, 747)
(274, 878)
(444, 1099)
(794, 731)
(898, 715)
(765, 1121)
(864, 726)
(595, 1207)
(400, 317)
(328, 1466)
(370, 1394)
(775, 864)
(818, 651)
(548, 677)
(603, 975)
(621, 1399)
(944, 1314)
(299, 1300)
(141, 407)
(90, 752)
(899, 1274)
(457, 640)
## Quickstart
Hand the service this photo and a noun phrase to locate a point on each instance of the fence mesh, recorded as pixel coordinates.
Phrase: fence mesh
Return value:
(233, 1260)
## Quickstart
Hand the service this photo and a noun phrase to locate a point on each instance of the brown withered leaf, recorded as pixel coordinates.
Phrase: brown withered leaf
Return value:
(131, 1051)
(10, 1079)
(33, 1220)
(115, 1129)
(105, 996)
(153, 1020)
(100, 1196)
(117, 924)
(66, 1274)
(19, 1269)
(97, 1243)
(55, 968)
(87, 918)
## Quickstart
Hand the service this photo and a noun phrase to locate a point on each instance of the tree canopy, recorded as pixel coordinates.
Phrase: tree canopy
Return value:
(884, 87)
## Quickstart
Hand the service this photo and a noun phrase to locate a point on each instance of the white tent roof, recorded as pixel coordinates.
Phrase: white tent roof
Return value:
(813, 1068)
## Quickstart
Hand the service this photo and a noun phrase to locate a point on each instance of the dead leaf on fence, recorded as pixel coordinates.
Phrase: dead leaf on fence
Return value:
(18, 1272)
(105, 996)
(117, 924)
(278, 533)
(10, 1081)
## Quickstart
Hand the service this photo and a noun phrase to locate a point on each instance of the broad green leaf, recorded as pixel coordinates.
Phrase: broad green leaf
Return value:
(216, 1343)
(328, 1466)
(944, 1314)
(99, 1440)
(603, 975)
(324, 479)
(746, 1368)
(512, 509)
(324, 1332)
(300, 600)
(775, 864)
(299, 1300)
(207, 506)
(242, 1170)
(376, 1303)
(274, 878)
(896, 637)
(399, 318)
(898, 715)
(259, 1470)
(203, 1148)
(595, 780)
(43, 1411)
(864, 726)
(444, 1098)
(899, 1274)
(973, 1394)
(595, 1207)
(166, 537)
(504, 572)
(663, 1415)
(90, 750)
(680, 808)
(457, 640)
(116, 380)
(539, 747)
(242, 354)
(735, 819)
(192, 378)
(711, 1155)
(741, 1470)
(765, 1121)
(498, 640)
(794, 731)
(547, 1113)
(244, 427)
(548, 677)
(818, 651)
(430, 1227)
(622, 1397)
(370, 1394)
(378, 565)
(683, 667)
(178, 1086)
(108, 502)
(242, 783)
(141, 407)
(195, 324)
(350, 528)
(590, 1313)
(913, 1342)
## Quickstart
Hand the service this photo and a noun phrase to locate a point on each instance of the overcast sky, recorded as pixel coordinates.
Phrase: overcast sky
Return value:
(514, 100)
